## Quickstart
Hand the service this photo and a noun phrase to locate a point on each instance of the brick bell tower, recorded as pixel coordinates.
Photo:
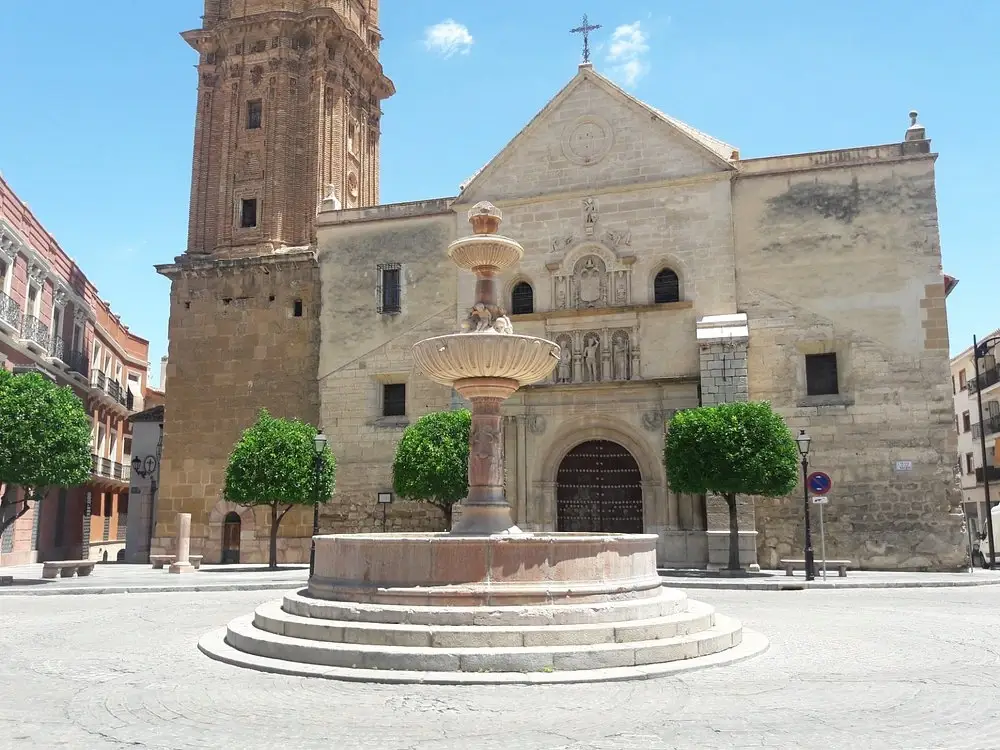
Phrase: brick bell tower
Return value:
(289, 106)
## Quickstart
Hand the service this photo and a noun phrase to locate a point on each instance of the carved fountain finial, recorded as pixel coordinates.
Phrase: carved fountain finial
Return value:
(485, 218)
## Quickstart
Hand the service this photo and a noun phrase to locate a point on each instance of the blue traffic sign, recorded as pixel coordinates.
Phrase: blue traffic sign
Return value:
(819, 482)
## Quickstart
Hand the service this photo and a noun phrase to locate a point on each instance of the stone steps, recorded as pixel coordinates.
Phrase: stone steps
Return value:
(243, 636)
(271, 617)
(667, 602)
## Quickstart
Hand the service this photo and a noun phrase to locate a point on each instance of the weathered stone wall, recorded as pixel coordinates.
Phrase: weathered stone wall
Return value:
(236, 346)
(363, 349)
(838, 255)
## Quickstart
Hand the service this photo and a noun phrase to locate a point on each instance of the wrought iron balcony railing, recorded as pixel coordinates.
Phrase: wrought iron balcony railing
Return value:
(78, 362)
(992, 426)
(57, 348)
(985, 380)
(99, 380)
(33, 331)
(105, 467)
(992, 473)
(10, 312)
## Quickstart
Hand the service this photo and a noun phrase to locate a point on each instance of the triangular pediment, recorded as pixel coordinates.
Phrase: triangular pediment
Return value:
(592, 133)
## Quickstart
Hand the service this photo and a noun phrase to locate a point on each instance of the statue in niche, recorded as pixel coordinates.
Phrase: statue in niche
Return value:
(591, 356)
(620, 289)
(619, 354)
(590, 283)
(561, 296)
(565, 362)
(589, 215)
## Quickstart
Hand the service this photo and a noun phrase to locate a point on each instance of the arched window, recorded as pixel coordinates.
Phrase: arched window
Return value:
(522, 299)
(666, 287)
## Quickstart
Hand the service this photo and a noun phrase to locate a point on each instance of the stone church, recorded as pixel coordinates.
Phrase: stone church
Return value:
(672, 272)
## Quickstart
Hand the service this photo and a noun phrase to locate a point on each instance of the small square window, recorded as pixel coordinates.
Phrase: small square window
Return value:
(821, 374)
(254, 111)
(394, 400)
(248, 213)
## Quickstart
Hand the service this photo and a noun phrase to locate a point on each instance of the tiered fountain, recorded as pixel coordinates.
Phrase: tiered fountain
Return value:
(486, 602)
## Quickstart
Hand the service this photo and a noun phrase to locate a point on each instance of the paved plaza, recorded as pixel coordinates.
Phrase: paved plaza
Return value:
(904, 668)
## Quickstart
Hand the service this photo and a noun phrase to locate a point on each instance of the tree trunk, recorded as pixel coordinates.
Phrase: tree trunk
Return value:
(447, 517)
(273, 552)
(5, 522)
(734, 534)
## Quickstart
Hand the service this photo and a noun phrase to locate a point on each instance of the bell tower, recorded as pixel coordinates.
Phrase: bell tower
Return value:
(289, 95)
(289, 105)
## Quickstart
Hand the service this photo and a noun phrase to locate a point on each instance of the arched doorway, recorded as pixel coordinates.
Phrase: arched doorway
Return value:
(231, 538)
(599, 489)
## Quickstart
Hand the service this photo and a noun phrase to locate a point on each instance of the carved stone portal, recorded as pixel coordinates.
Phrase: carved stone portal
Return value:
(594, 357)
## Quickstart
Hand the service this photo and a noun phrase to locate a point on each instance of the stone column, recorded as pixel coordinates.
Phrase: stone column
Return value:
(182, 564)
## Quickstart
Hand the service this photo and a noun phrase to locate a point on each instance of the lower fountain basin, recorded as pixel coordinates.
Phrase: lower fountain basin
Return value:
(463, 356)
(501, 570)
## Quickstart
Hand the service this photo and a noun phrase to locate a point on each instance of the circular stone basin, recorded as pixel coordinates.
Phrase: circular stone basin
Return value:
(441, 569)
(457, 356)
(485, 251)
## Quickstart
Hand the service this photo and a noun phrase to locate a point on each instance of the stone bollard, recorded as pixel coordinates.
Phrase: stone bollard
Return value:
(182, 564)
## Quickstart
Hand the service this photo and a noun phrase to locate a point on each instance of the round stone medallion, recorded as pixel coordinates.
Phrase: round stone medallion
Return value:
(588, 140)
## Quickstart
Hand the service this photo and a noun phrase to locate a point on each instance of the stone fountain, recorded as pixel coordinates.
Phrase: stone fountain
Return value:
(485, 602)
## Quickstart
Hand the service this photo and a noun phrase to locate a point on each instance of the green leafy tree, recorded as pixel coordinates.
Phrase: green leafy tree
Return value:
(432, 460)
(731, 449)
(44, 440)
(274, 464)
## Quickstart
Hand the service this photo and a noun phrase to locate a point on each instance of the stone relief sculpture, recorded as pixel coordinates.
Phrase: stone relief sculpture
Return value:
(590, 282)
(488, 318)
(616, 238)
(619, 346)
(591, 358)
(485, 449)
(589, 215)
(560, 243)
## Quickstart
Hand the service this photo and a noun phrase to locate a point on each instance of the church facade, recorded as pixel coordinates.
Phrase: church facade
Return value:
(671, 271)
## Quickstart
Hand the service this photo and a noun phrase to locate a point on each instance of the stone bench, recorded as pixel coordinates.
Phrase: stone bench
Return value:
(66, 568)
(159, 561)
(840, 565)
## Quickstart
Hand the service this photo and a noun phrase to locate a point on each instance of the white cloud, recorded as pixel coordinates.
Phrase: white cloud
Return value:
(627, 53)
(447, 38)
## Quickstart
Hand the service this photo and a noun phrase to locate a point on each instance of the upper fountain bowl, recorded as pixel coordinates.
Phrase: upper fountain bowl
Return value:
(485, 249)
(460, 356)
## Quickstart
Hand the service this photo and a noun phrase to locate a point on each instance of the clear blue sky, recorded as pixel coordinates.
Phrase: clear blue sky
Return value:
(98, 108)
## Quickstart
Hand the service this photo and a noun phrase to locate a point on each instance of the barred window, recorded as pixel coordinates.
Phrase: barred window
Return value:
(522, 299)
(666, 287)
(394, 400)
(389, 292)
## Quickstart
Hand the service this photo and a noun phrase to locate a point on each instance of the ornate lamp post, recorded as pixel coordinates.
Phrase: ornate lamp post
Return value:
(319, 444)
(146, 468)
(803, 440)
(981, 349)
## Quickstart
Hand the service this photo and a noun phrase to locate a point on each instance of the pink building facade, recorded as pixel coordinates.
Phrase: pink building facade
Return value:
(52, 321)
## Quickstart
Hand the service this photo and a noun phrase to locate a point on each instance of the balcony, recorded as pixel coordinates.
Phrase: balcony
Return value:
(112, 471)
(57, 349)
(992, 473)
(986, 378)
(79, 363)
(35, 335)
(112, 390)
(992, 426)
(10, 314)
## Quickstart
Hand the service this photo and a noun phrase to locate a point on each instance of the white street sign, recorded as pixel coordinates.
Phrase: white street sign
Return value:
(820, 500)
(904, 466)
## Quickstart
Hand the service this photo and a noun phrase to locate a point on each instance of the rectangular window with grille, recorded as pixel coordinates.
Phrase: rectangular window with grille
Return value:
(389, 290)
(394, 400)
(821, 374)
(248, 213)
(255, 109)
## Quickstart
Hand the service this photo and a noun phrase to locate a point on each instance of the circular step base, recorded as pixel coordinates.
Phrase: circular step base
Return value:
(214, 645)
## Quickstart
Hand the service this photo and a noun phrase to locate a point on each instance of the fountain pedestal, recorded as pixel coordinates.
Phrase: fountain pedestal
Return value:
(484, 602)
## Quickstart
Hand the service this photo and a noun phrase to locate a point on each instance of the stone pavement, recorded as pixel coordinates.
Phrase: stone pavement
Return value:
(908, 668)
(120, 578)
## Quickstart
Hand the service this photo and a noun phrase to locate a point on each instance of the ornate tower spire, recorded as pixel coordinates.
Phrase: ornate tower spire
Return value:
(289, 105)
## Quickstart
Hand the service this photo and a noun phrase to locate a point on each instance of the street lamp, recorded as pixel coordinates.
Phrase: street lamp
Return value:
(981, 349)
(803, 440)
(319, 446)
(146, 468)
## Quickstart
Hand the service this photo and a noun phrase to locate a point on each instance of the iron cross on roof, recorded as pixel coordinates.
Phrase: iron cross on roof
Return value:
(585, 29)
